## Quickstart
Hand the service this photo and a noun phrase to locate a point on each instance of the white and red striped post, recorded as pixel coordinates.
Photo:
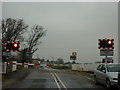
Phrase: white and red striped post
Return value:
(25, 65)
(14, 66)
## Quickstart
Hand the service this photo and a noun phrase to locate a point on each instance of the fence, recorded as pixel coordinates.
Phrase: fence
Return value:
(84, 67)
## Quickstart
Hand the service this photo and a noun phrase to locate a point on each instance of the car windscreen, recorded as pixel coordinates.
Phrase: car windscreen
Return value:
(113, 68)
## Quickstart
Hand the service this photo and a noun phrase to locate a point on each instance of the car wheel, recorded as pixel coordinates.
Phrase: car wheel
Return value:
(108, 84)
(95, 80)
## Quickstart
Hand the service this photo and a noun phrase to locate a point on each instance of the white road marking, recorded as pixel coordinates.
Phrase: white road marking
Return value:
(61, 81)
(55, 80)
(85, 77)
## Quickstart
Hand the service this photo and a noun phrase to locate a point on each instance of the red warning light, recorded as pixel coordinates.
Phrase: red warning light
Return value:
(109, 42)
(15, 45)
(106, 43)
(11, 46)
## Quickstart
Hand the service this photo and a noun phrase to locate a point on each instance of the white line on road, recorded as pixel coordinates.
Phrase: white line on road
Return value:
(61, 81)
(85, 76)
(55, 80)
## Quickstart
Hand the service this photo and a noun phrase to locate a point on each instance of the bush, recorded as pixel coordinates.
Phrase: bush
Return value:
(19, 66)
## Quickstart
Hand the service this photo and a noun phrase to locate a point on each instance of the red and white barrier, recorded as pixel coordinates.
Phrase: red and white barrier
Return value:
(13, 63)
(24, 64)
(14, 66)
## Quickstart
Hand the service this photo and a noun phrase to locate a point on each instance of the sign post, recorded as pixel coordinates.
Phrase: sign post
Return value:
(73, 57)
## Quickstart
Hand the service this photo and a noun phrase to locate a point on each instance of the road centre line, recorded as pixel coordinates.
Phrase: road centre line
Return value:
(60, 81)
(55, 80)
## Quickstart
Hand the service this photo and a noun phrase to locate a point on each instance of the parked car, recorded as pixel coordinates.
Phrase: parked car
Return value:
(107, 74)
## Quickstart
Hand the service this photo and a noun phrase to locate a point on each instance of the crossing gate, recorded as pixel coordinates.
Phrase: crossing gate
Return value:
(29, 64)
(24, 64)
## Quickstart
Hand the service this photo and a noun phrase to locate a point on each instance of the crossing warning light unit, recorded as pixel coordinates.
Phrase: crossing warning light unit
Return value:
(11, 46)
(106, 43)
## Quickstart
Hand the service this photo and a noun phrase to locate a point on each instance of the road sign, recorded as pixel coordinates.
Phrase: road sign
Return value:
(74, 53)
(106, 52)
(29, 56)
(72, 57)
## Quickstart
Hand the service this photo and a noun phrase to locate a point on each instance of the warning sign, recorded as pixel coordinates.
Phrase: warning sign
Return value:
(106, 52)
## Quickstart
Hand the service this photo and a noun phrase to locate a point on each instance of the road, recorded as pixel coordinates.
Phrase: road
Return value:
(52, 78)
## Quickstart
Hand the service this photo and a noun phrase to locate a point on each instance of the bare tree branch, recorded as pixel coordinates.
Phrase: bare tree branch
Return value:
(12, 29)
(34, 50)
(36, 33)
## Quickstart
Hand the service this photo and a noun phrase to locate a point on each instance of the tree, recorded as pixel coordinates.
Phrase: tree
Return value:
(12, 29)
(48, 61)
(24, 55)
(34, 36)
(42, 60)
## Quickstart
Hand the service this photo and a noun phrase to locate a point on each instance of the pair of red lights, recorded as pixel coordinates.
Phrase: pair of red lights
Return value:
(11, 46)
(106, 43)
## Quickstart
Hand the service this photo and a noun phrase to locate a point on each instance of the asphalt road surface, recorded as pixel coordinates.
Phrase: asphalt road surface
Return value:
(51, 78)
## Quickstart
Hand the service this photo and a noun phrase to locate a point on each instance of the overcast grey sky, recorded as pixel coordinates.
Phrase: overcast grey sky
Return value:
(70, 26)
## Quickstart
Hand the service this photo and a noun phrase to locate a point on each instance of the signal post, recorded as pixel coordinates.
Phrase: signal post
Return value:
(9, 47)
(106, 47)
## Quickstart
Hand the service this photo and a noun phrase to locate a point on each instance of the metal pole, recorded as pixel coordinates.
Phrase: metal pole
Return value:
(105, 56)
(119, 80)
